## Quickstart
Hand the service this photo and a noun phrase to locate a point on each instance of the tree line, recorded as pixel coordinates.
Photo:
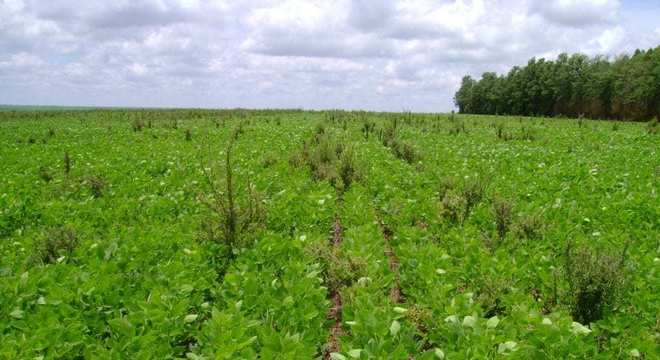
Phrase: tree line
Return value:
(626, 88)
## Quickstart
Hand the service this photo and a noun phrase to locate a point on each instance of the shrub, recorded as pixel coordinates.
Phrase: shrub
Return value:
(596, 281)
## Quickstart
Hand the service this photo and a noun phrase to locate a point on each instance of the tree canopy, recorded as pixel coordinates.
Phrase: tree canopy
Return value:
(626, 87)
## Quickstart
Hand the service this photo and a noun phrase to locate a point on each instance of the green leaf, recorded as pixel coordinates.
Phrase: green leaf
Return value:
(394, 328)
(190, 318)
(507, 346)
(337, 356)
(355, 353)
(469, 321)
(492, 322)
(17, 313)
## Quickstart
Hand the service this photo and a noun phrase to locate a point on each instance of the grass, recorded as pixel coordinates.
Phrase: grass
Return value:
(504, 237)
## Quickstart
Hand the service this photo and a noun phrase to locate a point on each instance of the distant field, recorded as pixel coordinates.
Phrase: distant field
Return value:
(134, 234)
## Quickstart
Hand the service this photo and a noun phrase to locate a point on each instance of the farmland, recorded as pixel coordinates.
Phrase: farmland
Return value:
(296, 234)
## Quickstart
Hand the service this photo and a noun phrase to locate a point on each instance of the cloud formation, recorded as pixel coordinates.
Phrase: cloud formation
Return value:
(359, 54)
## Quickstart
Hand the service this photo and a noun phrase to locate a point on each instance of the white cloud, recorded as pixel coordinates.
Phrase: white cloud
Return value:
(392, 55)
(577, 13)
(610, 39)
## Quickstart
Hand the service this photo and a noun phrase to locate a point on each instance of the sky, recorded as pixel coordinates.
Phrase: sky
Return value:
(405, 55)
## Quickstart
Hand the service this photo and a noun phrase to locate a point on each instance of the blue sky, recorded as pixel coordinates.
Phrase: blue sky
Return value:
(353, 54)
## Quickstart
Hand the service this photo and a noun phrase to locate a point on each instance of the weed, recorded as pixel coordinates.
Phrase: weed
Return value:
(596, 281)
(138, 125)
(526, 134)
(501, 133)
(529, 227)
(97, 186)
(446, 184)
(452, 207)
(457, 127)
(238, 131)
(268, 160)
(502, 211)
(188, 135)
(231, 215)
(45, 174)
(368, 128)
(653, 126)
(67, 164)
(347, 169)
(473, 192)
(55, 245)
(490, 291)
(340, 270)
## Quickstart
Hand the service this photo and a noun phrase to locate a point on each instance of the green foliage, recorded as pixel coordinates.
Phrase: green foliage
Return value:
(626, 87)
(134, 281)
